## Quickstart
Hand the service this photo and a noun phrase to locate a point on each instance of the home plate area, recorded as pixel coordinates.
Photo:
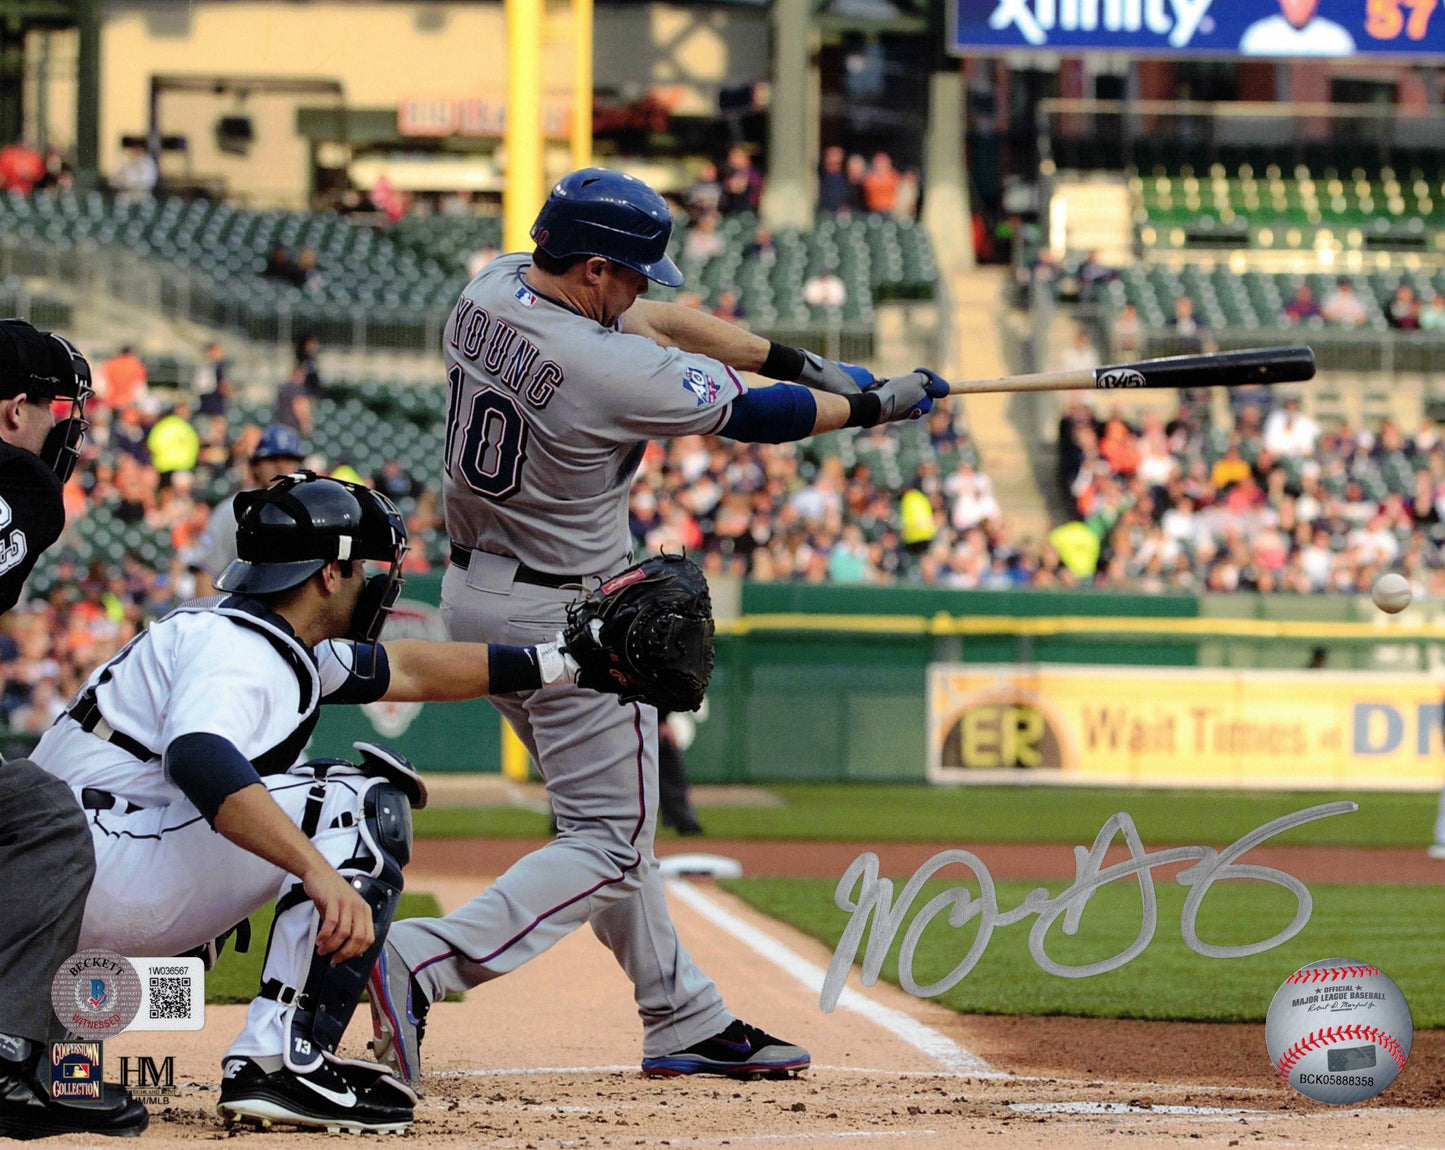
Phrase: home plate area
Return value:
(549, 1056)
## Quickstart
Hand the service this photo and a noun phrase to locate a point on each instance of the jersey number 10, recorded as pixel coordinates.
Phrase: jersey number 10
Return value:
(493, 439)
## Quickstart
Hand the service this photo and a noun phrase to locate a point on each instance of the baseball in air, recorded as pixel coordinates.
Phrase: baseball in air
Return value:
(1391, 592)
(1338, 1031)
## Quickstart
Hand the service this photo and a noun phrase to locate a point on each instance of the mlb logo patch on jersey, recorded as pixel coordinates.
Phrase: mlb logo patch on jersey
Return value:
(701, 385)
(526, 297)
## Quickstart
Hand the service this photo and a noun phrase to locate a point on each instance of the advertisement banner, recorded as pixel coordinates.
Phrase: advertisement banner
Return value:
(1264, 28)
(1184, 726)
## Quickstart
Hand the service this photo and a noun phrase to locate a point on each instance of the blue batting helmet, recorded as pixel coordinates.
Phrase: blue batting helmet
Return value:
(598, 212)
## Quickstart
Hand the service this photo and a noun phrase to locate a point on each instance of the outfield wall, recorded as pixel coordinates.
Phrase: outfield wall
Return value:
(833, 683)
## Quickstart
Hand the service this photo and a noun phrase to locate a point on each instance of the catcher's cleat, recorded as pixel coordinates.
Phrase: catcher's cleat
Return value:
(335, 1097)
(398, 1016)
(740, 1051)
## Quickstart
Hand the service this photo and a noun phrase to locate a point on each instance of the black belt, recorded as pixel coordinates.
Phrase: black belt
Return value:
(462, 557)
(87, 713)
(94, 799)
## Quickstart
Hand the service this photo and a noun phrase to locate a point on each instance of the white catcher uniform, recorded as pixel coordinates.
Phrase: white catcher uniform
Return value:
(165, 882)
(549, 414)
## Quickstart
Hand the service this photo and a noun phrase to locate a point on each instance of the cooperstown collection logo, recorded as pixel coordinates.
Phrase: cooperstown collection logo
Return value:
(1177, 20)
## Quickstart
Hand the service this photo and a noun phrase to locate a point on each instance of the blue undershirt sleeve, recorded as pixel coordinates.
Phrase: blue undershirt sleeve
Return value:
(208, 768)
(782, 413)
(357, 688)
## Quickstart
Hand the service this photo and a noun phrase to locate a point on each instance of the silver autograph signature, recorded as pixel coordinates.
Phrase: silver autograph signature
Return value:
(874, 897)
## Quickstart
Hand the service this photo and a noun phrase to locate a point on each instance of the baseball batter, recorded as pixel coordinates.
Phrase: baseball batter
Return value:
(196, 727)
(559, 375)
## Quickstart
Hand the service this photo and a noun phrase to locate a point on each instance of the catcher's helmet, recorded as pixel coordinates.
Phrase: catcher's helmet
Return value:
(292, 529)
(598, 212)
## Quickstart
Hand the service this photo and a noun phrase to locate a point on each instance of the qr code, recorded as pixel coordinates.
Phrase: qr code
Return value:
(170, 997)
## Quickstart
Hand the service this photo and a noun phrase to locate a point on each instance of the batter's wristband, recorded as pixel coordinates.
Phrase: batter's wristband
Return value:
(864, 410)
(783, 362)
(512, 669)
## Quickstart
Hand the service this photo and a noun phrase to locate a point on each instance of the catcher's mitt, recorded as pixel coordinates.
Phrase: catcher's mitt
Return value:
(646, 633)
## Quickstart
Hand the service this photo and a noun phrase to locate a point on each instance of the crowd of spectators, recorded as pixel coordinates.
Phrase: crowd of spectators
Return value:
(154, 464)
(1271, 502)
(848, 185)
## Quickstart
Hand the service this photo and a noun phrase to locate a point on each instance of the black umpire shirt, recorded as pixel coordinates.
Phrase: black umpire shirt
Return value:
(32, 514)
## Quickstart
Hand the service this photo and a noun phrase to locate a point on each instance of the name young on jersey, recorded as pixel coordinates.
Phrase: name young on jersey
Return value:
(505, 353)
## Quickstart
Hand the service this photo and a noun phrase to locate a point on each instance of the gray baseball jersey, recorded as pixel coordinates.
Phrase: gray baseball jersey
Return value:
(548, 413)
(549, 416)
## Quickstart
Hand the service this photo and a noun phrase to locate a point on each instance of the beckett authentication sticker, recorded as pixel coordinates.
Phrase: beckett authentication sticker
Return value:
(95, 993)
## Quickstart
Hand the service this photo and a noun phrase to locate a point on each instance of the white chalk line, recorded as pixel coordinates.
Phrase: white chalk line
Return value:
(942, 1049)
(1083, 1107)
(515, 1070)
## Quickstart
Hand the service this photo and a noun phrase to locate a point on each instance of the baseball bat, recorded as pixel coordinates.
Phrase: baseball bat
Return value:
(1226, 369)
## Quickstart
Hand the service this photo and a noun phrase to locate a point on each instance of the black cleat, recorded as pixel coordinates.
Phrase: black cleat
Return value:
(740, 1051)
(336, 1096)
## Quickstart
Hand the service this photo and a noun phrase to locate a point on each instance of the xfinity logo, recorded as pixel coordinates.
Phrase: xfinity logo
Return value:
(1177, 19)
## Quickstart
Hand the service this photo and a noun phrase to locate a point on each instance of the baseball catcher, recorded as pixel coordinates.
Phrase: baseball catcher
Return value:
(646, 635)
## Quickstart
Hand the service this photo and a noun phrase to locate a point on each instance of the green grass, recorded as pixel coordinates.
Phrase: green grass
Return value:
(237, 976)
(1397, 928)
(860, 812)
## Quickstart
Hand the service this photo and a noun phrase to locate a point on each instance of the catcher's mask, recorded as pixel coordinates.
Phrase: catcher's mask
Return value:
(291, 530)
(46, 367)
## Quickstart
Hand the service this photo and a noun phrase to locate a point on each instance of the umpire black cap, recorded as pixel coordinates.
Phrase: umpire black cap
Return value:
(40, 364)
(292, 529)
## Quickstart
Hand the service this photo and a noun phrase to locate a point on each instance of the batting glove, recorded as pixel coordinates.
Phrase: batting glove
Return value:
(910, 396)
(839, 378)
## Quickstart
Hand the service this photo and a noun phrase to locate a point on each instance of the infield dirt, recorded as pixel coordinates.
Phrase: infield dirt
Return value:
(548, 1057)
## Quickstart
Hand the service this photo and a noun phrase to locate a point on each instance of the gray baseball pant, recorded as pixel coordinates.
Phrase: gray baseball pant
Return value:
(599, 762)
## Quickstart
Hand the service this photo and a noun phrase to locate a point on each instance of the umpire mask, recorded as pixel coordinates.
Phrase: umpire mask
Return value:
(61, 449)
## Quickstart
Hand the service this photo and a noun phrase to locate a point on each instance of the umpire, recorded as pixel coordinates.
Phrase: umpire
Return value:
(45, 847)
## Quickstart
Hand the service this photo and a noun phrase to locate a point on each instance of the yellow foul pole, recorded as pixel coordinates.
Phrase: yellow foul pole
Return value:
(524, 190)
(582, 85)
